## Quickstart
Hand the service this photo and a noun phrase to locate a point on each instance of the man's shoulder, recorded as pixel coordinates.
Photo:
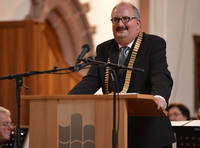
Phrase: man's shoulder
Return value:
(107, 43)
(153, 37)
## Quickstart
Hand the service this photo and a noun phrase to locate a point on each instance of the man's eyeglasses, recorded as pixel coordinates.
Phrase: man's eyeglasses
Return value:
(124, 19)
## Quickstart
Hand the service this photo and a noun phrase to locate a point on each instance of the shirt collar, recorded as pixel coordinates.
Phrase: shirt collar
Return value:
(129, 45)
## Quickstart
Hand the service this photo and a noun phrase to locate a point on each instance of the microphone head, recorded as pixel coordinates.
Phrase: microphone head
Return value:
(86, 47)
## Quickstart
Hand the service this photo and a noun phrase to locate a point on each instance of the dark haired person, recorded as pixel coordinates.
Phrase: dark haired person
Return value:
(178, 112)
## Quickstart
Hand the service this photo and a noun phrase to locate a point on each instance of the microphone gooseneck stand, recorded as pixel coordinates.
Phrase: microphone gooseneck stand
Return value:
(115, 90)
(19, 83)
(92, 61)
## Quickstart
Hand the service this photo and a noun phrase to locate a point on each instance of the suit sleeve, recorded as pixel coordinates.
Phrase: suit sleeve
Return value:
(161, 79)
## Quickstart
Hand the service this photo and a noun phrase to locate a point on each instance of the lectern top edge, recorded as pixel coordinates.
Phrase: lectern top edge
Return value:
(86, 96)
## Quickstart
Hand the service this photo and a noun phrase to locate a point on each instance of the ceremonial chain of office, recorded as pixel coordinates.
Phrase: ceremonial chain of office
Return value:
(130, 65)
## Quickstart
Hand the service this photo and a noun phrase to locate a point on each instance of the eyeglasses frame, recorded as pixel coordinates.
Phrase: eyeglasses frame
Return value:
(121, 18)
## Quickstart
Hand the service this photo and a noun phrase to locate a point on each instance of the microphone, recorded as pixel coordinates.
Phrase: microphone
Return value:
(85, 49)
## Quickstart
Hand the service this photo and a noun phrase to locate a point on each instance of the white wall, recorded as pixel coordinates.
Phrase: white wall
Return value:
(175, 20)
(14, 9)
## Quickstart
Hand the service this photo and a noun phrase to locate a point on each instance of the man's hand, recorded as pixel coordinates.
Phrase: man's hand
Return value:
(161, 103)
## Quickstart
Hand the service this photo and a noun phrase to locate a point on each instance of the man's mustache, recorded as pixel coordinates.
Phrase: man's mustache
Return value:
(121, 28)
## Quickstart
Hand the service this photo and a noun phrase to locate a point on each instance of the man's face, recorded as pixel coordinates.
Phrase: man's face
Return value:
(5, 127)
(124, 33)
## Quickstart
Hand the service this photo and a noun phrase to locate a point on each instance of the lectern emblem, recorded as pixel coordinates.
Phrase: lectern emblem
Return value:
(76, 135)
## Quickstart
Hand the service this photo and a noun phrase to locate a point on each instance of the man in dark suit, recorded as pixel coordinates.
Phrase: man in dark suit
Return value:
(134, 49)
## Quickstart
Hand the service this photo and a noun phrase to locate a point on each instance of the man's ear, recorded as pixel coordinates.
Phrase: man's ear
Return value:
(139, 22)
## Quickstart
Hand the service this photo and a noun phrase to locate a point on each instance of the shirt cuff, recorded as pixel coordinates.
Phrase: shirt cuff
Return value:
(158, 96)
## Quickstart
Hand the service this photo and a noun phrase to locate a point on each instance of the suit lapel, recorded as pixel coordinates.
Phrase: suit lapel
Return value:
(114, 53)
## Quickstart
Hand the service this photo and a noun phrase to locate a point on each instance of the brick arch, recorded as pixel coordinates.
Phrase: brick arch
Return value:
(71, 32)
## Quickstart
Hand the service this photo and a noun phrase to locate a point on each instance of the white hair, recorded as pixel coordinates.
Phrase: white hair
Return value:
(135, 10)
(4, 110)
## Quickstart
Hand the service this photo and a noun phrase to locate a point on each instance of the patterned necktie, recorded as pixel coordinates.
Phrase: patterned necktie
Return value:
(123, 55)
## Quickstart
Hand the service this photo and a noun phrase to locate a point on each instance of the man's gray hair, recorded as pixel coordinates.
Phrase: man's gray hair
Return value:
(135, 10)
(4, 110)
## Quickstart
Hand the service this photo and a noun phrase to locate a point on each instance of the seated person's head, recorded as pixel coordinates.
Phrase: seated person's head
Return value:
(5, 124)
(178, 112)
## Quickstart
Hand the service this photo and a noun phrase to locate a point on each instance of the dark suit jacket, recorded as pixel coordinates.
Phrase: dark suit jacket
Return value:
(144, 132)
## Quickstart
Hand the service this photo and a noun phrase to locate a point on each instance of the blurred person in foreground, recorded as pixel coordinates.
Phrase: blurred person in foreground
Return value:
(135, 49)
(5, 124)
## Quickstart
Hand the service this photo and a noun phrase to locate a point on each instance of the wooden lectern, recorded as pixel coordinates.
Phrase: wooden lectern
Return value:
(83, 121)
